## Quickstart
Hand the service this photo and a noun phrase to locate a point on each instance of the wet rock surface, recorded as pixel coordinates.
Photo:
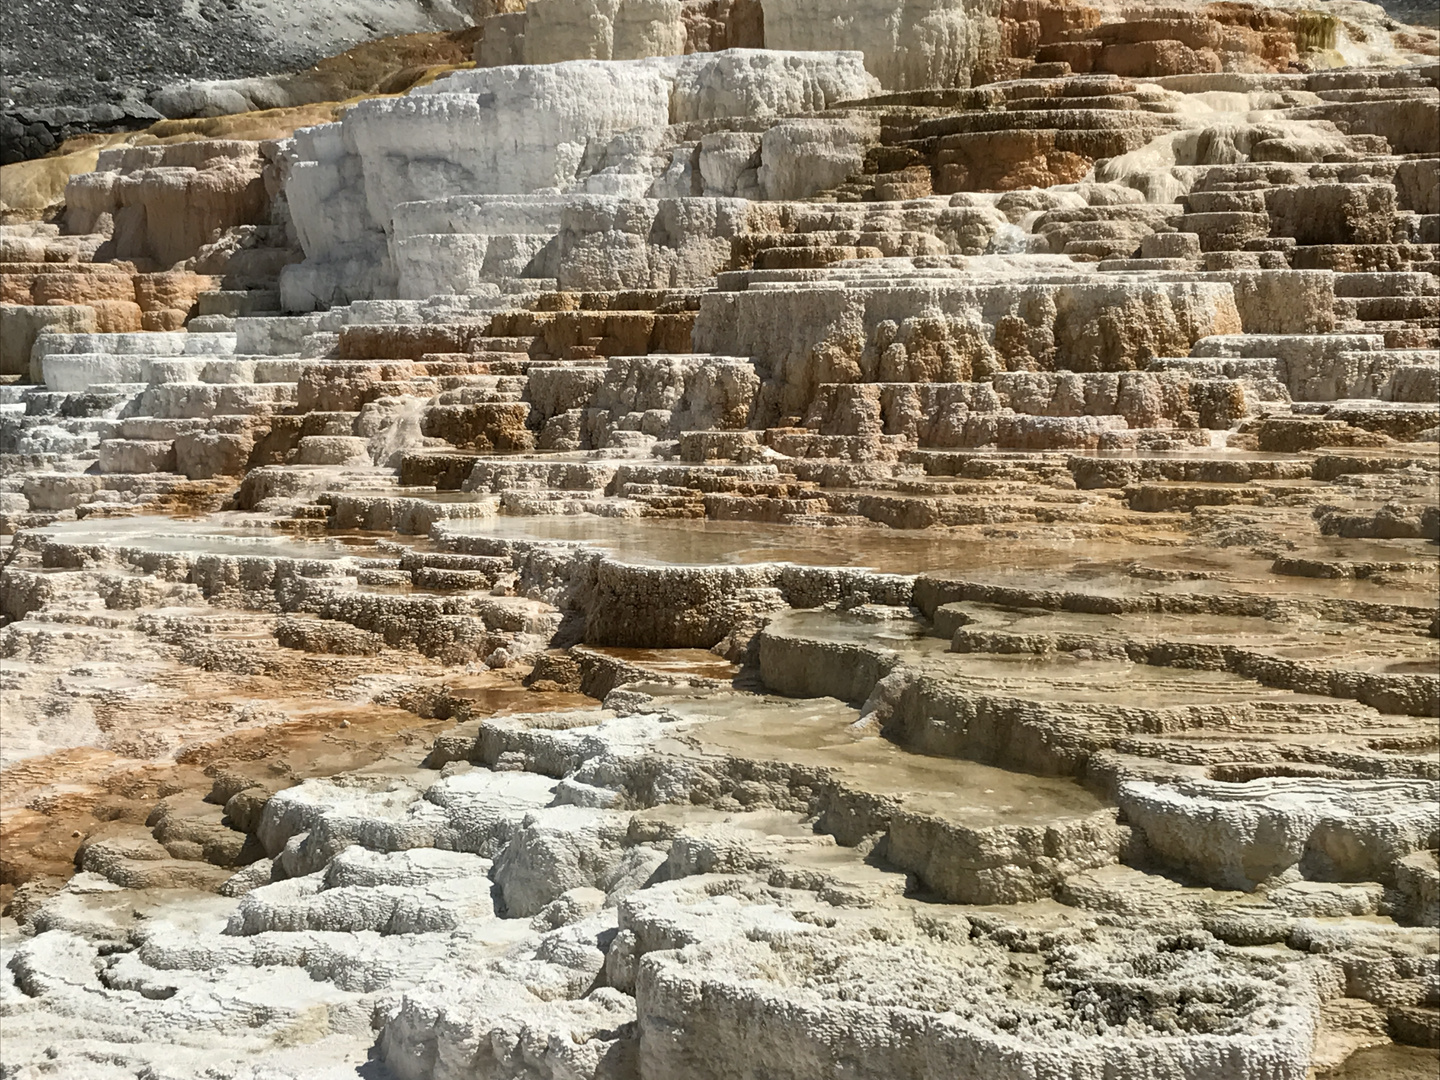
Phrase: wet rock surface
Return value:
(721, 546)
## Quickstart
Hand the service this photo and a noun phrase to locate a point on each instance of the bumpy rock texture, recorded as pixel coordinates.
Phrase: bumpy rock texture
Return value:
(740, 540)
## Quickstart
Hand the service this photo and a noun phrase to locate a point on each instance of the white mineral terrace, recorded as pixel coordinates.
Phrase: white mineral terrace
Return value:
(739, 540)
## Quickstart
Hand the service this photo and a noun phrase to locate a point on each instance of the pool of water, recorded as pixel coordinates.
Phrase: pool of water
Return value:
(1354, 646)
(822, 732)
(1069, 677)
(704, 543)
(194, 536)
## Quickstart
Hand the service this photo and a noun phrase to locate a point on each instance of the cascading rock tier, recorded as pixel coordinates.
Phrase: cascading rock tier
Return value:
(736, 540)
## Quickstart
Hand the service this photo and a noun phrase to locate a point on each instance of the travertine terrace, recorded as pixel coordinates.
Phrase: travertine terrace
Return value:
(740, 539)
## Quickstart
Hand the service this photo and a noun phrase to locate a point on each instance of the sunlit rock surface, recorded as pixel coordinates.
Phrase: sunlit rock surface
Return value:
(741, 540)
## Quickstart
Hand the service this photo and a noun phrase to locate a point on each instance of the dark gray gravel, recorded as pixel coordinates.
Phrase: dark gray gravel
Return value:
(69, 66)
(83, 52)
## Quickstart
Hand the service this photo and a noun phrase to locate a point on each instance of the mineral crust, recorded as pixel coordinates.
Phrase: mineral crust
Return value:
(740, 540)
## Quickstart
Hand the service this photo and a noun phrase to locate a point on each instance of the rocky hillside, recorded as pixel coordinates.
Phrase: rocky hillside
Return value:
(70, 68)
(733, 540)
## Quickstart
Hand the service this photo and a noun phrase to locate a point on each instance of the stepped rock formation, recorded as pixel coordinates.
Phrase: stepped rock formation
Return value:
(736, 540)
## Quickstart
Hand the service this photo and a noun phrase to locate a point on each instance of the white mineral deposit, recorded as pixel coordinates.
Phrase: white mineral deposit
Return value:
(721, 540)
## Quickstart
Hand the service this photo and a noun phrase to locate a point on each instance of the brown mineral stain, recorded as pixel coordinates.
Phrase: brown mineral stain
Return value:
(1388, 1062)
(51, 802)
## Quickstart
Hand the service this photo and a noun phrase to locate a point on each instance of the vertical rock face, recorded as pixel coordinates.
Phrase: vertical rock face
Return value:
(739, 539)
(161, 205)
(909, 46)
(602, 30)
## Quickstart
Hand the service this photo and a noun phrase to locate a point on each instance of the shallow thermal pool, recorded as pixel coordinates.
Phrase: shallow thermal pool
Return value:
(705, 543)
(821, 732)
(203, 536)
